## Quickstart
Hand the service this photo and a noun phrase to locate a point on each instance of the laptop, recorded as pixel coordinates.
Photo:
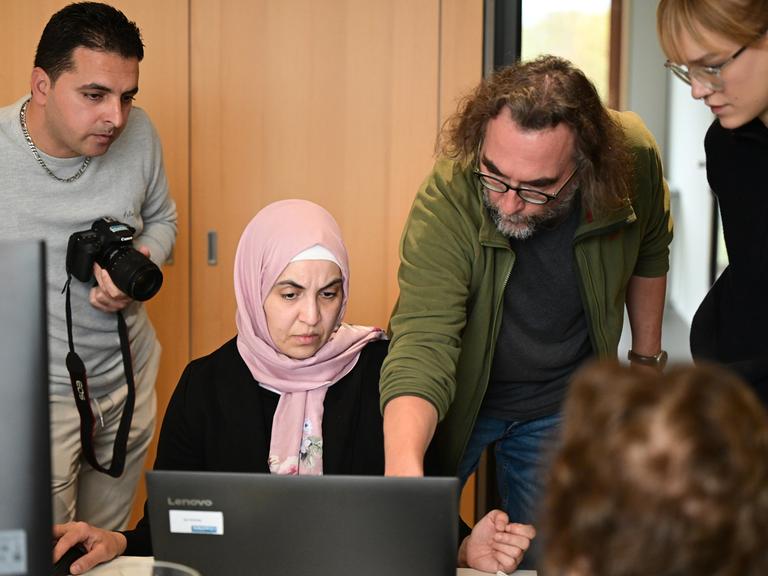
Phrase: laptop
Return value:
(223, 523)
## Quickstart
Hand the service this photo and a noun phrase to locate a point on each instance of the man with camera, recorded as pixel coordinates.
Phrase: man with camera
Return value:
(82, 169)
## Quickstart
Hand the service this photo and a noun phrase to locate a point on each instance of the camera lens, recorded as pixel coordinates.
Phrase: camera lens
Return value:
(146, 282)
(134, 273)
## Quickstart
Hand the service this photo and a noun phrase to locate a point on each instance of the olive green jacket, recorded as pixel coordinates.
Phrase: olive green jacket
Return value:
(454, 266)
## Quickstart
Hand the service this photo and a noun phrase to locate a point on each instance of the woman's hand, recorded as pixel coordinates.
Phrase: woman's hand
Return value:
(495, 544)
(102, 545)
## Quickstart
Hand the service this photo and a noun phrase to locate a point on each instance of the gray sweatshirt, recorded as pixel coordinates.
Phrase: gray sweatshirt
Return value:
(127, 183)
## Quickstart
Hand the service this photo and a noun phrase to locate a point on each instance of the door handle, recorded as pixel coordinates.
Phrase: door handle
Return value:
(213, 248)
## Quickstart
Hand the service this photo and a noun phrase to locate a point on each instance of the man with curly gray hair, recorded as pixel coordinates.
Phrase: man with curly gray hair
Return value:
(543, 216)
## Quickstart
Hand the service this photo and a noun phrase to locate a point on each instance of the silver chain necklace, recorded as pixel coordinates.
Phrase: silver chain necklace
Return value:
(36, 154)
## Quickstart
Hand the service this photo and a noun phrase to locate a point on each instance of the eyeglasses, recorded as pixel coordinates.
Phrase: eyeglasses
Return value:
(526, 194)
(708, 76)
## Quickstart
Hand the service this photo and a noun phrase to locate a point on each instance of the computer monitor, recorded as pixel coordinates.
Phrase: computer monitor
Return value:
(25, 455)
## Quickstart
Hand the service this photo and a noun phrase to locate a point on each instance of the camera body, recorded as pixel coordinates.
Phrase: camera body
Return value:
(109, 243)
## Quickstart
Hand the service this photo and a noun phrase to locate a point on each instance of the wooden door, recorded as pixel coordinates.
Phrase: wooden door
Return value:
(338, 102)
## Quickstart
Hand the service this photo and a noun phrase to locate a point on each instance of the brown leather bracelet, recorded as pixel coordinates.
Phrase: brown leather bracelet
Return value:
(658, 361)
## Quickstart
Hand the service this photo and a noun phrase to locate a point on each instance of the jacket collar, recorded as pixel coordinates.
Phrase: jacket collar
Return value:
(605, 223)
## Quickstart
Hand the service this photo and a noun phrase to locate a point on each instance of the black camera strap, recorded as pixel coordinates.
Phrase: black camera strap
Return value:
(79, 380)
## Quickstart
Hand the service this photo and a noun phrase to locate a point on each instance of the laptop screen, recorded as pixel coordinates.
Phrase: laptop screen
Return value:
(261, 524)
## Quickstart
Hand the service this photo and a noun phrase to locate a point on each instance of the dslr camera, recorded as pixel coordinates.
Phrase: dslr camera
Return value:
(109, 243)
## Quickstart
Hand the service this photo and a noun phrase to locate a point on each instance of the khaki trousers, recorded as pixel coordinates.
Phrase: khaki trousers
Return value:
(82, 493)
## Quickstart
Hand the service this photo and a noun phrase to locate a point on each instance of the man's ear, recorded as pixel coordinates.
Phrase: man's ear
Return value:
(41, 85)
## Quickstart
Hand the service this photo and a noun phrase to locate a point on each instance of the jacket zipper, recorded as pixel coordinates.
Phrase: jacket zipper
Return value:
(596, 329)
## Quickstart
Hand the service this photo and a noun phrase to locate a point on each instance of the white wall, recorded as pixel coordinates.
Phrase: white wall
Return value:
(679, 124)
(646, 78)
(686, 174)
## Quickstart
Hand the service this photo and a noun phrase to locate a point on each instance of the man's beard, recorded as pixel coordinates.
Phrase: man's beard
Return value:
(522, 227)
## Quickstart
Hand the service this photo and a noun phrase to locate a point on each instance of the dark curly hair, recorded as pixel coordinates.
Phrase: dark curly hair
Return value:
(91, 25)
(543, 93)
(663, 475)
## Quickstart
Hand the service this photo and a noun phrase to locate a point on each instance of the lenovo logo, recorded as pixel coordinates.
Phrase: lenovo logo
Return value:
(190, 502)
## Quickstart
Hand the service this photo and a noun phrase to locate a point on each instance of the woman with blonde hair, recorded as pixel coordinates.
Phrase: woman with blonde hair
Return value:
(720, 48)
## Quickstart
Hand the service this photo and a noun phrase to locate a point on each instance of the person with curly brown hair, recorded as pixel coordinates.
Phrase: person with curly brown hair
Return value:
(545, 214)
(663, 475)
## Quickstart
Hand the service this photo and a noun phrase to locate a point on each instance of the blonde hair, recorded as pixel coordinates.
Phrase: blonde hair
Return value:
(741, 21)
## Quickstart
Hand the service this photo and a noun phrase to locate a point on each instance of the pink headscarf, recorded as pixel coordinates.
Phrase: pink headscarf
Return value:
(278, 233)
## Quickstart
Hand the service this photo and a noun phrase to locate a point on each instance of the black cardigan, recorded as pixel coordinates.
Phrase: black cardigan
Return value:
(731, 324)
(220, 419)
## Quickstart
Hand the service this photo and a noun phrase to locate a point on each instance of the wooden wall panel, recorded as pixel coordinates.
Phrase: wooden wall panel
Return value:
(461, 52)
(334, 102)
(21, 23)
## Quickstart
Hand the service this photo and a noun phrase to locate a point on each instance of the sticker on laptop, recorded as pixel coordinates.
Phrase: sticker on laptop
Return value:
(196, 522)
(13, 552)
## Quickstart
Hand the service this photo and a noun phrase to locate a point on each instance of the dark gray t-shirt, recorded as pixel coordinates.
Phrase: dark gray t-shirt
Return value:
(543, 336)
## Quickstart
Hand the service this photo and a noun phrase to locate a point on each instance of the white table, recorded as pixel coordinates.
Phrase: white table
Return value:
(132, 565)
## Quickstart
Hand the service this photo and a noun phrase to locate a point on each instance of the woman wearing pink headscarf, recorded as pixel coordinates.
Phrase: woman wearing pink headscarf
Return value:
(291, 291)
(295, 392)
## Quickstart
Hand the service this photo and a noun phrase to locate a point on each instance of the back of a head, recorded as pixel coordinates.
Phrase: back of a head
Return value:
(663, 475)
(740, 21)
(541, 94)
(91, 25)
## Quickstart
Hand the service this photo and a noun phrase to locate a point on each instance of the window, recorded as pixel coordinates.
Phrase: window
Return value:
(579, 31)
